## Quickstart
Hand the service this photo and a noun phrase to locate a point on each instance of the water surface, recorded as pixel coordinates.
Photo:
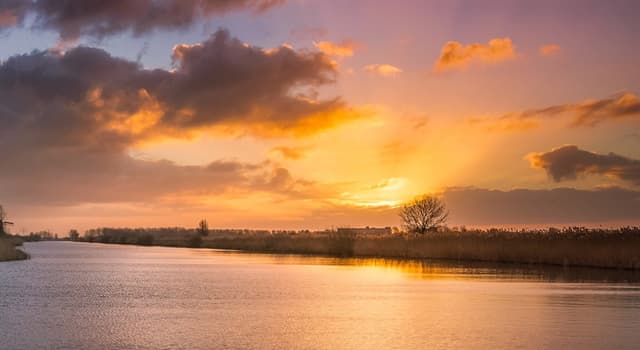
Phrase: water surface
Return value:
(93, 296)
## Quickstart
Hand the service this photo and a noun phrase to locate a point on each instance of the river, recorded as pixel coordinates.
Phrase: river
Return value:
(94, 296)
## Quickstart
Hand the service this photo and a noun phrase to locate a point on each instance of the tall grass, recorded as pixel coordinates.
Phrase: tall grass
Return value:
(8, 250)
(575, 246)
(616, 248)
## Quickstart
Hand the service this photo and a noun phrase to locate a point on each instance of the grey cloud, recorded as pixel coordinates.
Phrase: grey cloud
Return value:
(569, 162)
(99, 18)
(266, 78)
(471, 206)
(87, 97)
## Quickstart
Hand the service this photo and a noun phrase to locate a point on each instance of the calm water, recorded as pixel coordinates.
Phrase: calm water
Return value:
(92, 296)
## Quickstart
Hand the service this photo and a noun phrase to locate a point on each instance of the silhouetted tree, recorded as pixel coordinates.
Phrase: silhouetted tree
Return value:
(423, 214)
(74, 235)
(203, 228)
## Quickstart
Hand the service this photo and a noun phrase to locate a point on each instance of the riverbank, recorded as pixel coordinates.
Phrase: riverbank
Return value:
(9, 250)
(611, 248)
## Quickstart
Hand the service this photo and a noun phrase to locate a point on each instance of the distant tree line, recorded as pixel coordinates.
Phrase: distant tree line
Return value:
(39, 236)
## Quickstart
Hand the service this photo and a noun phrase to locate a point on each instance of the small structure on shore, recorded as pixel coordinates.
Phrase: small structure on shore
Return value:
(3, 221)
(379, 231)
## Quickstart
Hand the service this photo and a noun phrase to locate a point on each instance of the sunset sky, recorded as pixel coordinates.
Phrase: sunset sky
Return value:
(315, 114)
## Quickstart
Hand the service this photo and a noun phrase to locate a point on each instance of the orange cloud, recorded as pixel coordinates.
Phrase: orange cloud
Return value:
(549, 50)
(385, 70)
(344, 49)
(586, 113)
(455, 55)
(293, 153)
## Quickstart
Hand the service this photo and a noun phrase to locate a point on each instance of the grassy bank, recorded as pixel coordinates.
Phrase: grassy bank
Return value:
(8, 250)
(610, 248)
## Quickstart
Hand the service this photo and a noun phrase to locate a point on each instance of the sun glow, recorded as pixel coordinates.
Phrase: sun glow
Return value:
(388, 192)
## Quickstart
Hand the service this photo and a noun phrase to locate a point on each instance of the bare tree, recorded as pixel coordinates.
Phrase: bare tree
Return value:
(74, 235)
(424, 214)
(3, 221)
(203, 228)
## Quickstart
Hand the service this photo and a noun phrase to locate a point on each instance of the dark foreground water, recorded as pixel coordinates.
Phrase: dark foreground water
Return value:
(92, 296)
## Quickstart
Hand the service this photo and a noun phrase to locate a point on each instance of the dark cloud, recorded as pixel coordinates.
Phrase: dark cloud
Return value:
(99, 18)
(263, 79)
(470, 206)
(569, 162)
(87, 97)
(68, 119)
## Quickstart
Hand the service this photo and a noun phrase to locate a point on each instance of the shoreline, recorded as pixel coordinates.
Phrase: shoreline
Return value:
(592, 249)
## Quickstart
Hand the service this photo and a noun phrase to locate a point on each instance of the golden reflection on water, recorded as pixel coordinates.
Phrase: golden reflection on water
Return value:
(428, 269)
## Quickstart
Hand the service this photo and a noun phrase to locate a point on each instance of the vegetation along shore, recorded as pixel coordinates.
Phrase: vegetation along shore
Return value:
(425, 236)
(575, 246)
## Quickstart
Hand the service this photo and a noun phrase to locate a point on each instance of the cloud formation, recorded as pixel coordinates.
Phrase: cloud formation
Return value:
(345, 48)
(473, 206)
(549, 50)
(67, 176)
(73, 18)
(385, 70)
(455, 55)
(74, 116)
(221, 83)
(586, 113)
(569, 162)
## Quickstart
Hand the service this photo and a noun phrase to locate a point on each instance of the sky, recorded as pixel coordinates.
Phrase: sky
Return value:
(292, 114)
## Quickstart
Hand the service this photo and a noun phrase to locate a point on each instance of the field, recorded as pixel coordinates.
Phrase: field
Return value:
(607, 248)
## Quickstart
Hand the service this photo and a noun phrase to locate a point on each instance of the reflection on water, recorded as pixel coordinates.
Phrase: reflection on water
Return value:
(434, 269)
(91, 296)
